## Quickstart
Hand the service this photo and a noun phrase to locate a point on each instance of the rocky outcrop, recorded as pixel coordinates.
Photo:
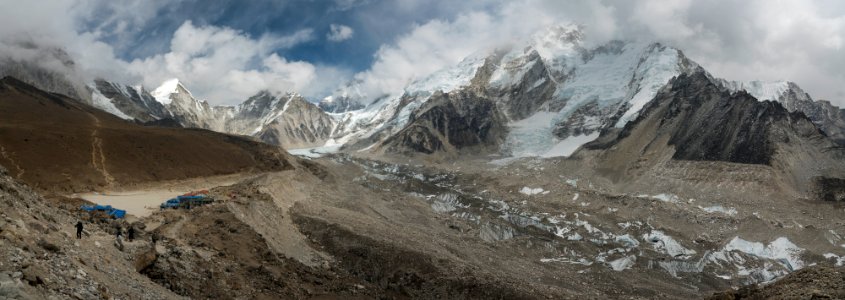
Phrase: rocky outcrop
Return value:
(451, 122)
(704, 122)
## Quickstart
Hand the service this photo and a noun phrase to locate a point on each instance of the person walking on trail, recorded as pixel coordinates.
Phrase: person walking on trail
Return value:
(118, 237)
(130, 233)
(79, 230)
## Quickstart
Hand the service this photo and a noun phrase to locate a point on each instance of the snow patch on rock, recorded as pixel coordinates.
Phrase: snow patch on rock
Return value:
(532, 191)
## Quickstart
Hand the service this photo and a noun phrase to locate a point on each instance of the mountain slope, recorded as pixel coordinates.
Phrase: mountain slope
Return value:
(694, 119)
(55, 143)
(826, 116)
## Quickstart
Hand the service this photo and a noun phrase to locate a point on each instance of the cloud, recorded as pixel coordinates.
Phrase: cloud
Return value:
(339, 33)
(227, 66)
(801, 41)
(440, 43)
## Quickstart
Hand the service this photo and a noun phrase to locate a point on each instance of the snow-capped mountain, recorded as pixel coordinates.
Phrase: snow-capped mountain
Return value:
(550, 94)
(281, 119)
(127, 102)
(344, 99)
(189, 111)
(284, 119)
(544, 96)
(695, 119)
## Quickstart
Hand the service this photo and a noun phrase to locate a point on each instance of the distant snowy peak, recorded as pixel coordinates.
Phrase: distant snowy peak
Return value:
(169, 87)
(346, 98)
(447, 79)
(765, 90)
(558, 41)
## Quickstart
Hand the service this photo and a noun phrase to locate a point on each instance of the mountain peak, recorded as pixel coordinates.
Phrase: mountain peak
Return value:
(162, 93)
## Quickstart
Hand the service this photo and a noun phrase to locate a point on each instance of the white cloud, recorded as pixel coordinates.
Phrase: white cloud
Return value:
(339, 33)
(225, 65)
(441, 43)
(801, 41)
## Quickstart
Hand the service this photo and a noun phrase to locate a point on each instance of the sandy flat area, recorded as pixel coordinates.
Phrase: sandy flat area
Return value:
(137, 203)
(145, 200)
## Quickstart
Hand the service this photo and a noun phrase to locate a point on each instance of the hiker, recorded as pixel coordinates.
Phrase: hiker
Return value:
(130, 234)
(118, 237)
(78, 230)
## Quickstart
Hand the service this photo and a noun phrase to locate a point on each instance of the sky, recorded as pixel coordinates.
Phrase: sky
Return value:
(226, 51)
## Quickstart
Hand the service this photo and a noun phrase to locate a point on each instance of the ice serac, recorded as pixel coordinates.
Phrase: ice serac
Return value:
(829, 118)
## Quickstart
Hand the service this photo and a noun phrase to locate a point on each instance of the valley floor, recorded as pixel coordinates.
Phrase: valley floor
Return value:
(343, 227)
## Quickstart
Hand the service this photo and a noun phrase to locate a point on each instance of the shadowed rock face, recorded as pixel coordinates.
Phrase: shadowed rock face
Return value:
(451, 121)
(707, 123)
(829, 118)
(719, 126)
(694, 119)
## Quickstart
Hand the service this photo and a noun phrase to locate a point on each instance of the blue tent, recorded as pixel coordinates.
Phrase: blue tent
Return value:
(111, 211)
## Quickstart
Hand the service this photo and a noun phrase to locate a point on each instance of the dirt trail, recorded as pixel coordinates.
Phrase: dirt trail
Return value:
(12, 162)
(97, 153)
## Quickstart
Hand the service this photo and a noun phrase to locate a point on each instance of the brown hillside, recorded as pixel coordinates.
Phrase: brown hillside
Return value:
(58, 144)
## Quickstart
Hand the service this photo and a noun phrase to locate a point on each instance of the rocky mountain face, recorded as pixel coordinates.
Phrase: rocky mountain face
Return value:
(128, 102)
(58, 144)
(694, 119)
(826, 116)
(463, 119)
(287, 120)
